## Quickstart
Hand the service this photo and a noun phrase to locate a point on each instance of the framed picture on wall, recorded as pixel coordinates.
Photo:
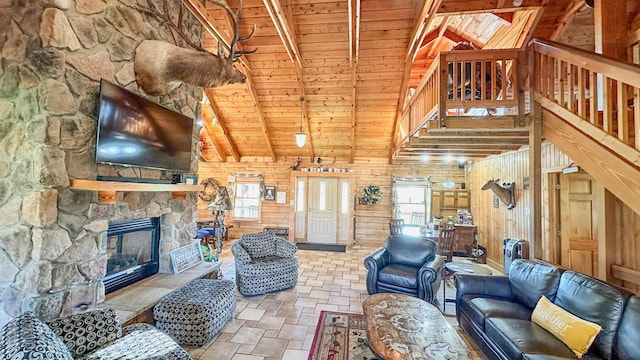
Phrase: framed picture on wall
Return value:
(270, 193)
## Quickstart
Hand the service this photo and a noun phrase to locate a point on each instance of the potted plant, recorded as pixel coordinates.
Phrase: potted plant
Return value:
(371, 194)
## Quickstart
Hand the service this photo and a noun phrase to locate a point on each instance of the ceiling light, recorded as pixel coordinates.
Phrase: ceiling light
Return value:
(572, 168)
(517, 2)
(301, 137)
(424, 158)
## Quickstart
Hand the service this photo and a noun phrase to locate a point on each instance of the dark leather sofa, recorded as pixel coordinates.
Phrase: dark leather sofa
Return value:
(496, 312)
(406, 265)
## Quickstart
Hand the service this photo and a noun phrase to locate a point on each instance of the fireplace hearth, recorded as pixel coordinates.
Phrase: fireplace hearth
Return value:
(132, 252)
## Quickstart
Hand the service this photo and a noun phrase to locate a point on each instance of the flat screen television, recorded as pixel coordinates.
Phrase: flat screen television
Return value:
(133, 131)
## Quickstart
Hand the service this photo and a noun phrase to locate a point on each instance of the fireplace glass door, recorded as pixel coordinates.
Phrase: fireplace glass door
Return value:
(132, 252)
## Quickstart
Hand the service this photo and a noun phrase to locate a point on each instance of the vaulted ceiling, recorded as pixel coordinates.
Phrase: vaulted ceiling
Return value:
(353, 62)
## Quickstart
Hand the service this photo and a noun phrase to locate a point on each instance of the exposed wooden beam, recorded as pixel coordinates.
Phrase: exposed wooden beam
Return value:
(456, 38)
(354, 49)
(486, 122)
(225, 132)
(505, 18)
(484, 6)
(261, 117)
(567, 14)
(287, 36)
(419, 31)
(474, 134)
(207, 126)
(422, 24)
(425, 141)
(461, 147)
(453, 150)
(430, 36)
(530, 26)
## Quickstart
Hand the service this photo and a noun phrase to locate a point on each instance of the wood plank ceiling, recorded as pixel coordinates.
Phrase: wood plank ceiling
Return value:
(352, 61)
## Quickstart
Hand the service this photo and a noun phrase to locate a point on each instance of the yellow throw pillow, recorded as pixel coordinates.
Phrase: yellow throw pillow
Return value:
(576, 333)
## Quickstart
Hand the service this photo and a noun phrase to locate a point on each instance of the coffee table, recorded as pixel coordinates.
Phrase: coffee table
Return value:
(453, 267)
(404, 327)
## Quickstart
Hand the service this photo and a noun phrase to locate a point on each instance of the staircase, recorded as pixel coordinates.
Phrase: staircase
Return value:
(590, 110)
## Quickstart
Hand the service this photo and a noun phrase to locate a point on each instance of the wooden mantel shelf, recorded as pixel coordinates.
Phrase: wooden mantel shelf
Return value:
(108, 190)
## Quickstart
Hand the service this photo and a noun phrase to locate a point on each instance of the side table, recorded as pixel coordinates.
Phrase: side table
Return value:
(453, 267)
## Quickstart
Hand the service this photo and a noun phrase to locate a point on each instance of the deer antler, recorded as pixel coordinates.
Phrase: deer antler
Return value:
(166, 19)
(234, 54)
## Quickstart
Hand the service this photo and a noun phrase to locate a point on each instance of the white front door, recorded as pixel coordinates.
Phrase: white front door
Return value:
(322, 210)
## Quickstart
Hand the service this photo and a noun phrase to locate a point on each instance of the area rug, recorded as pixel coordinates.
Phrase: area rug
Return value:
(341, 336)
(322, 247)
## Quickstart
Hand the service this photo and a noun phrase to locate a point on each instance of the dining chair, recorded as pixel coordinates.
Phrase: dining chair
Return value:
(445, 241)
(396, 227)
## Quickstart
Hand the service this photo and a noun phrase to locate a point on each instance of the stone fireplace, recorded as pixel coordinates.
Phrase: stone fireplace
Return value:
(54, 243)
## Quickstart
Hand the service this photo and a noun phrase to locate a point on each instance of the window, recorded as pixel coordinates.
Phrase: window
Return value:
(323, 196)
(300, 203)
(413, 204)
(246, 203)
(344, 202)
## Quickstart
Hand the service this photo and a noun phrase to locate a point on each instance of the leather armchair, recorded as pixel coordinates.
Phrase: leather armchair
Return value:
(405, 265)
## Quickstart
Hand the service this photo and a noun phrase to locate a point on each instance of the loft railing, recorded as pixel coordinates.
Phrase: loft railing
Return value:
(586, 88)
(465, 83)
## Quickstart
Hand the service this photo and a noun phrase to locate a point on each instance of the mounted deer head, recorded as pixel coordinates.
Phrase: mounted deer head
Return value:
(505, 192)
(158, 64)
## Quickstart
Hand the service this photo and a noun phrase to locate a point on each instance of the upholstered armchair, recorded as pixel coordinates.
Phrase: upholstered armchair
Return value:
(92, 335)
(406, 265)
(264, 263)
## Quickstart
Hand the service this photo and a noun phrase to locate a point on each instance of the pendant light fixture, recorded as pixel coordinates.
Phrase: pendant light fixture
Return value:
(301, 137)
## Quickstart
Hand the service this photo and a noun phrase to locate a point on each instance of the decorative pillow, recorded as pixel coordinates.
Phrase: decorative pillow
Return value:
(85, 332)
(576, 333)
(259, 244)
(26, 337)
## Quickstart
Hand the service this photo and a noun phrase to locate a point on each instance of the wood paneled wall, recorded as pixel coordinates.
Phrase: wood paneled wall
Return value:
(494, 224)
(372, 221)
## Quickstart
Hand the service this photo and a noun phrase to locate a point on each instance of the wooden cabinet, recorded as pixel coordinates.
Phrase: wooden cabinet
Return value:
(446, 203)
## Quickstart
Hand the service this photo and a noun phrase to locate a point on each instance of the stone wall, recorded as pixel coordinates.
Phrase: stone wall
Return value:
(54, 53)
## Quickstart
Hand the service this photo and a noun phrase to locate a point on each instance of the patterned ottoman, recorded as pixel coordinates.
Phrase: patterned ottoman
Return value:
(196, 312)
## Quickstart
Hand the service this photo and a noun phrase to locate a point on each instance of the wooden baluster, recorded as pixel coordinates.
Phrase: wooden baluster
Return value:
(593, 98)
(473, 79)
(562, 79)
(483, 84)
(636, 116)
(542, 80)
(503, 86)
(582, 104)
(551, 75)
(607, 110)
(570, 88)
(492, 84)
(623, 118)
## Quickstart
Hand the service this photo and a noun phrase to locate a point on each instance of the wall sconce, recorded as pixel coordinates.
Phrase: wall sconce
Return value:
(301, 137)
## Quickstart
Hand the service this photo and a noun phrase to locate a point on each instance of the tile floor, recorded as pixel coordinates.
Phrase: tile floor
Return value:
(281, 325)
